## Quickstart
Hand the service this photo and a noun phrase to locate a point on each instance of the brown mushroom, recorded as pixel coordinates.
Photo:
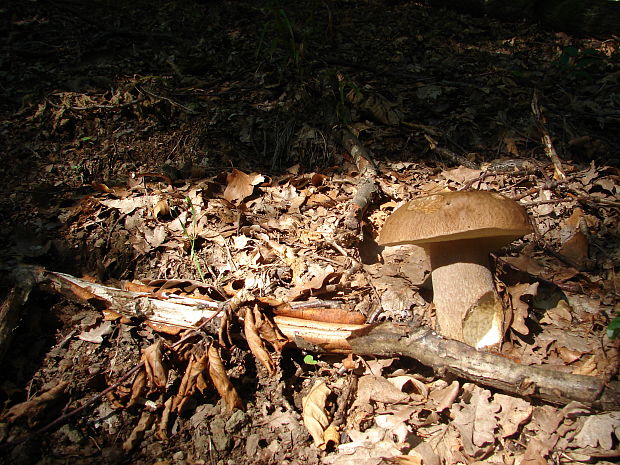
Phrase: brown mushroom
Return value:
(458, 230)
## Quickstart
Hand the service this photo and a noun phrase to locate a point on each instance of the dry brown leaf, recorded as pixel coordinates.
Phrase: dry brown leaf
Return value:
(33, 410)
(128, 205)
(154, 237)
(164, 328)
(137, 388)
(189, 384)
(599, 431)
(514, 412)
(521, 297)
(560, 315)
(405, 460)
(314, 413)
(410, 385)
(444, 440)
(525, 263)
(535, 453)
(378, 389)
(476, 422)
(241, 185)
(319, 199)
(461, 175)
(111, 315)
(567, 355)
(588, 368)
(156, 371)
(268, 330)
(576, 249)
(256, 343)
(315, 285)
(162, 430)
(445, 397)
(135, 438)
(217, 373)
(96, 334)
(100, 187)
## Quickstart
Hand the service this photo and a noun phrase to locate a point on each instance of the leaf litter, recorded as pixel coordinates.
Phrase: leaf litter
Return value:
(233, 390)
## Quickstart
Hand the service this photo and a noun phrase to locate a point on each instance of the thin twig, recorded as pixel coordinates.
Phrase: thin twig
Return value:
(546, 138)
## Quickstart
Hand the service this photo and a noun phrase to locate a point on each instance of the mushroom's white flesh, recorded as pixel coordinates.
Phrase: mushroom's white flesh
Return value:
(464, 290)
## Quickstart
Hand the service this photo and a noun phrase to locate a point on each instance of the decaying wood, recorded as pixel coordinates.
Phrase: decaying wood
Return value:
(385, 339)
(546, 138)
(367, 186)
(449, 154)
(186, 312)
(10, 309)
(485, 368)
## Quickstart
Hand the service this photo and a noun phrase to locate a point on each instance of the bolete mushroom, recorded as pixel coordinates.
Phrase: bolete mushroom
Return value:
(458, 230)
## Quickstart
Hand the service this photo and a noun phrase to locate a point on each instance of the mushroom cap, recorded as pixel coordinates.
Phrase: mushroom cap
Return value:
(451, 216)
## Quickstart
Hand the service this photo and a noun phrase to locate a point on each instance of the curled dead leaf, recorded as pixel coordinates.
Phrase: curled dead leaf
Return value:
(162, 431)
(256, 343)
(269, 331)
(218, 375)
(241, 185)
(135, 438)
(192, 380)
(137, 388)
(314, 413)
(157, 373)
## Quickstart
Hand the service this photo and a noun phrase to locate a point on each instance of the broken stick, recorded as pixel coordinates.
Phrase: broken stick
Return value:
(424, 345)
(385, 339)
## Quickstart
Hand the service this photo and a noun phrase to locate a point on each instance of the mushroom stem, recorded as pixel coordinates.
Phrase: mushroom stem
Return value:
(467, 306)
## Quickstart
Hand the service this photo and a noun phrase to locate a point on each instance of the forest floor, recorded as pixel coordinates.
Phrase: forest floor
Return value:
(252, 151)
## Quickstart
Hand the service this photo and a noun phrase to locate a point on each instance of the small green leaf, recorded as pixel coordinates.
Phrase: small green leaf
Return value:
(613, 330)
(310, 360)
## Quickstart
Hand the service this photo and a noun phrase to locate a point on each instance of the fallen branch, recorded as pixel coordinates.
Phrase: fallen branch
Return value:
(485, 368)
(449, 154)
(169, 309)
(387, 339)
(546, 138)
(367, 186)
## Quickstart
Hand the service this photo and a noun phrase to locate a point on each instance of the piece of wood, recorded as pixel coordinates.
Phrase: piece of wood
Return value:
(425, 346)
(367, 184)
(385, 339)
(176, 310)
(11, 307)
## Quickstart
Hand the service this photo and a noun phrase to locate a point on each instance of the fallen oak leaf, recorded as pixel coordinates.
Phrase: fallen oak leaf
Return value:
(144, 424)
(156, 371)
(217, 373)
(314, 414)
(599, 430)
(137, 388)
(255, 342)
(241, 185)
(192, 380)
